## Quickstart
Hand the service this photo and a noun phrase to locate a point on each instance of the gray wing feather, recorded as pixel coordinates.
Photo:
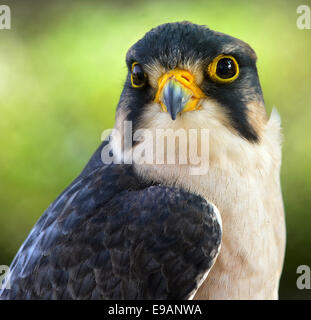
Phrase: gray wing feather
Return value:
(110, 236)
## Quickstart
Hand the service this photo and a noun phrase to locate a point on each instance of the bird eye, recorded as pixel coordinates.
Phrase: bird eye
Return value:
(138, 76)
(223, 69)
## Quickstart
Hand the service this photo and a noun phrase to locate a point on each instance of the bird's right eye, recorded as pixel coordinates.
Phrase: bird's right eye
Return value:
(138, 76)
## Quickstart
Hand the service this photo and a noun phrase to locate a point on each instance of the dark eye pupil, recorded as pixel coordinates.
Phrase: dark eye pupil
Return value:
(226, 68)
(138, 75)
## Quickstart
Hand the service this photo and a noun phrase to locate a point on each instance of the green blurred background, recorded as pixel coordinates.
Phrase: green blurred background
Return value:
(61, 73)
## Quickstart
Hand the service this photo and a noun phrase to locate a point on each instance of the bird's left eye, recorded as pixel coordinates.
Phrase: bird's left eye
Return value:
(138, 76)
(223, 69)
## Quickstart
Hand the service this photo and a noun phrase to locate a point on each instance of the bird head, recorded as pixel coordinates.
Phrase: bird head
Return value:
(183, 75)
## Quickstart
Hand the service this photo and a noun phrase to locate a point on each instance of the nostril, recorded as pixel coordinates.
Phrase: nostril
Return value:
(187, 79)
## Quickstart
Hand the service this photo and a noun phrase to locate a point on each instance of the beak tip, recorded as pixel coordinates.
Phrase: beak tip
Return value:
(174, 111)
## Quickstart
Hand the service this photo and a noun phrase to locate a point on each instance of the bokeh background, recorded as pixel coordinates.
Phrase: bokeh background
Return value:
(61, 73)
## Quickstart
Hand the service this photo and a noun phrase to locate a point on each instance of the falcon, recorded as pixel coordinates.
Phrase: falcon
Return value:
(138, 230)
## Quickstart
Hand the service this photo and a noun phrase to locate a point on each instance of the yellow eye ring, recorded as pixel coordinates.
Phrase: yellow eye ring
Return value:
(218, 74)
(138, 77)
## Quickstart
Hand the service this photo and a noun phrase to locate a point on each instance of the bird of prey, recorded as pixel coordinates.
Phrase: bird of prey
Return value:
(154, 230)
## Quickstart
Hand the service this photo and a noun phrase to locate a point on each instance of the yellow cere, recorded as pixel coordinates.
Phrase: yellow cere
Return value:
(187, 81)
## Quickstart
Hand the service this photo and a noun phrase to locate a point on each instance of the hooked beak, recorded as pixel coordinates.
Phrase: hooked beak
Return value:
(178, 92)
